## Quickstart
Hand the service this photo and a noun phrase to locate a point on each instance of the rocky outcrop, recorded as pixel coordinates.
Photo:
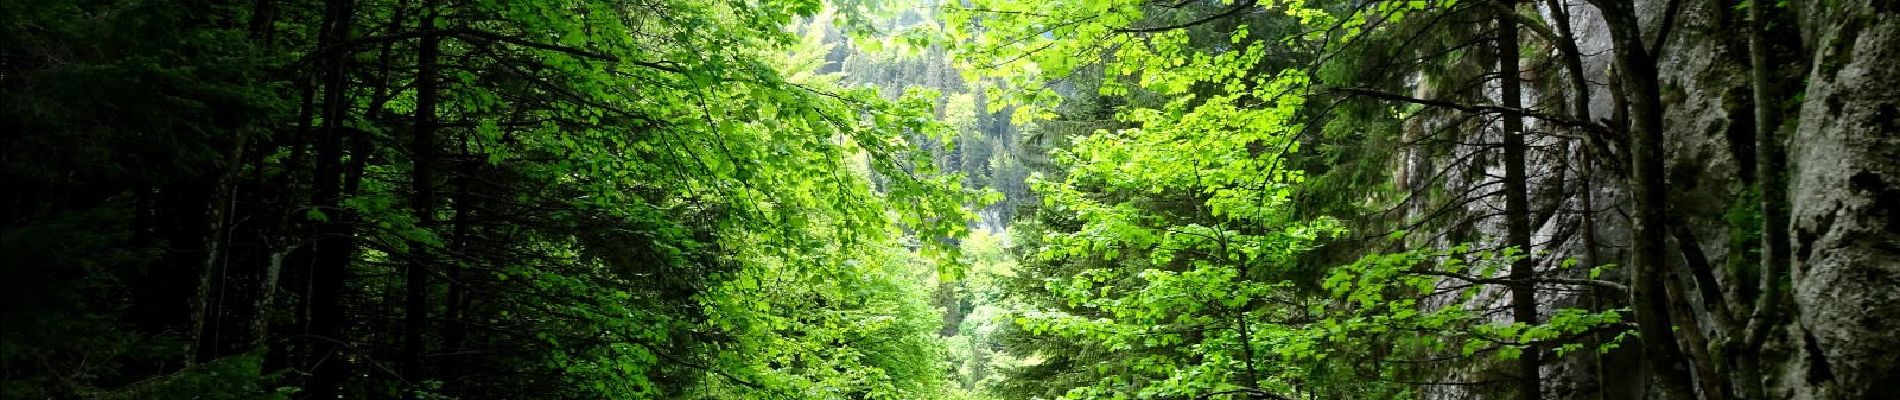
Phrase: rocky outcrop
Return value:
(1845, 183)
(1840, 337)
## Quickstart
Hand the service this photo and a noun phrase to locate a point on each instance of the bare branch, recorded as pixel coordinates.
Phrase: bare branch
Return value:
(1618, 287)
(1479, 109)
(1232, 11)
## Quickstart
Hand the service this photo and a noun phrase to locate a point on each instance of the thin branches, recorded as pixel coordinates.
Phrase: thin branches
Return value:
(1236, 9)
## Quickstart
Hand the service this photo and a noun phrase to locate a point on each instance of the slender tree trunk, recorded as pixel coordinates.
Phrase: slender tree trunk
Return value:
(282, 354)
(212, 277)
(1708, 378)
(185, 220)
(454, 332)
(1697, 264)
(1590, 256)
(1648, 266)
(381, 93)
(1246, 350)
(334, 244)
(1771, 173)
(267, 269)
(1572, 59)
(263, 23)
(422, 201)
(221, 287)
(1517, 199)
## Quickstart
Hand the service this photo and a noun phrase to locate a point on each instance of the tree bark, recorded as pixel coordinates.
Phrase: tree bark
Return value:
(1643, 97)
(1591, 257)
(1517, 198)
(422, 202)
(333, 244)
(1708, 378)
(454, 329)
(1771, 173)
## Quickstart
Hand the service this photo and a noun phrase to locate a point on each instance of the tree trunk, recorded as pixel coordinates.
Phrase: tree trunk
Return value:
(1517, 199)
(1649, 302)
(1252, 375)
(1590, 257)
(1771, 173)
(333, 244)
(454, 329)
(422, 202)
(1708, 379)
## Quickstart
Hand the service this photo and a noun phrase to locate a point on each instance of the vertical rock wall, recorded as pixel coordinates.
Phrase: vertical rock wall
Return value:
(1841, 336)
(1846, 207)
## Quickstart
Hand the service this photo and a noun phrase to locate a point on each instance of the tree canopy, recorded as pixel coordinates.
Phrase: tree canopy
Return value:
(921, 199)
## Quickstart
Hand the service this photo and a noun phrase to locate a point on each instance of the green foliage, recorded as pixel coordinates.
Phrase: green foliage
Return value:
(1176, 250)
(663, 200)
(237, 377)
(749, 199)
(1745, 224)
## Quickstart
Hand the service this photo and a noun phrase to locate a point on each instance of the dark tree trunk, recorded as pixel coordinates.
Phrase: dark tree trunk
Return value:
(1772, 175)
(1517, 198)
(182, 220)
(422, 202)
(454, 329)
(333, 242)
(1642, 95)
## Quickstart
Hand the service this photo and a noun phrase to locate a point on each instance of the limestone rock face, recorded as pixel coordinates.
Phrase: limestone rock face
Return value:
(1845, 185)
(1840, 338)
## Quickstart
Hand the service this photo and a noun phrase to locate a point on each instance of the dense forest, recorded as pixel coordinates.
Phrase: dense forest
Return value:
(971, 199)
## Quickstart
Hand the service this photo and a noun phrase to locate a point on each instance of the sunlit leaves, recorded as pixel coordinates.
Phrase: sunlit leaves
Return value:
(706, 125)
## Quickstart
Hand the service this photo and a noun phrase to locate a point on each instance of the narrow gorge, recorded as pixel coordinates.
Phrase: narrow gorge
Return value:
(962, 200)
